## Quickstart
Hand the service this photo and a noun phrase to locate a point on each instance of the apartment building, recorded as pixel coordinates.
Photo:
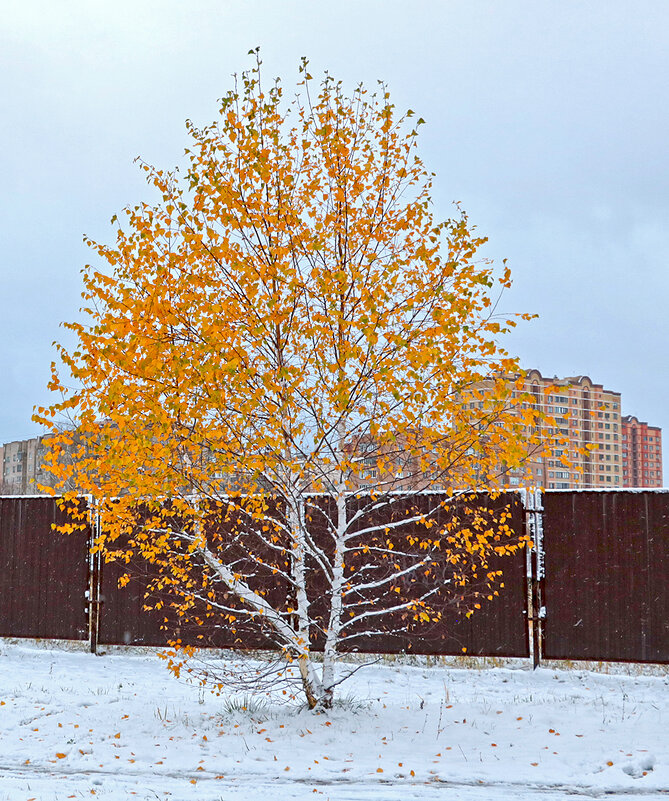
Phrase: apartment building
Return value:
(642, 453)
(22, 466)
(588, 417)
(600, 448)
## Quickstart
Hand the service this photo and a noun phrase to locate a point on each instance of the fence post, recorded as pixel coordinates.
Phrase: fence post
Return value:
(536, 613)
(93, 592)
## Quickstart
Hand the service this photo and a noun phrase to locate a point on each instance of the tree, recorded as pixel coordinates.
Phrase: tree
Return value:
(285, 325)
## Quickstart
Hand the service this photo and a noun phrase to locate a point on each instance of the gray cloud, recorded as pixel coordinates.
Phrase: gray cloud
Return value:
(548, 121)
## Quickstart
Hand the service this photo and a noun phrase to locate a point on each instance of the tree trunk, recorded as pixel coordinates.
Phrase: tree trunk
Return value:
(311, 684)
(334, 624)
(312, 687)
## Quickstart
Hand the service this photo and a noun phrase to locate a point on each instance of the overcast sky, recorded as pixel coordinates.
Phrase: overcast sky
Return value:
(547, 119)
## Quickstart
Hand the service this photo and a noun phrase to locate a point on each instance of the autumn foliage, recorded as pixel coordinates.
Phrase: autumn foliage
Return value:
(286, 340)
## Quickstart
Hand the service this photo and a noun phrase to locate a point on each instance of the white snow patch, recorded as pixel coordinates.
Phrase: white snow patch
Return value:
(121, 727)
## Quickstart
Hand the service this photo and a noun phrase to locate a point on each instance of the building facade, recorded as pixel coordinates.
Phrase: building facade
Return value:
(588, 417)
(642, 453)
(22, 466)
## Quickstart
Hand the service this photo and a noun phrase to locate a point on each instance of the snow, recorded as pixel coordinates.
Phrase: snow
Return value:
(119, 726)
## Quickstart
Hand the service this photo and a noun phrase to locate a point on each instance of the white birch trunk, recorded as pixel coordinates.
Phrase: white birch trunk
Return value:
(336, 588)
(312, 685)
(334, 624)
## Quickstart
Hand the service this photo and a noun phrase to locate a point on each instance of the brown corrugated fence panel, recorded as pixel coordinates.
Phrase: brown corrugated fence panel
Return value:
(123, 619)
(137, 615)
(499, 628)
(656, 629)
(605, 588)
(128, 616)
(43, 574)
(606, 591)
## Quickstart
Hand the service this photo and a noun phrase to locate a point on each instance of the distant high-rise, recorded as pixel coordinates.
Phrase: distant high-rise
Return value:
(588, 417)
(642, 453)
(601, 448)
(22, 463)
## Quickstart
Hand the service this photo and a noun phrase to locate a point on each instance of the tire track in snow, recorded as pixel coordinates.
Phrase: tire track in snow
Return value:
(353, 787)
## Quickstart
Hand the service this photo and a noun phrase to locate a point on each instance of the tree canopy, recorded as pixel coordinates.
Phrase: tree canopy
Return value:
(288, 334)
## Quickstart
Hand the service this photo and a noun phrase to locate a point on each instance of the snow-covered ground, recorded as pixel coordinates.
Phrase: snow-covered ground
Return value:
(119, 726)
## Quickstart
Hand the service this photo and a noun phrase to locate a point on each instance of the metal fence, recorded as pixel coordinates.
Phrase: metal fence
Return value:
(44, 576)
(594, 586)
(498, 629)
(605, 586)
